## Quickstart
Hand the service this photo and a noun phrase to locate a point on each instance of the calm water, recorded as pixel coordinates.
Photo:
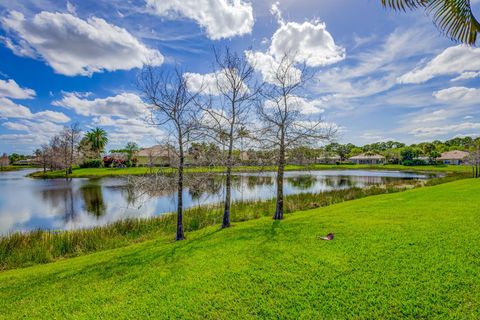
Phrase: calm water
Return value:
(27, 204)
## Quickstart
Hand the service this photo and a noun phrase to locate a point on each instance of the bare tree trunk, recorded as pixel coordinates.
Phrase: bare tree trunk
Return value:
(280, 173)
(228, 183)
(180, 234)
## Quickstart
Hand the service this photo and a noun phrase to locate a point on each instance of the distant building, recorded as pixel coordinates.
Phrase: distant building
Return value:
(328, 159)
(366, 158)
(455, 157)
(156, 151)
(28, 162)
(156, 155)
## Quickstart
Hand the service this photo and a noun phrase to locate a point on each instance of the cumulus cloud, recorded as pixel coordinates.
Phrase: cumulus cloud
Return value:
(10, 109)
(53, 116)
(132, 129)
(35, 132)
(267, 66)
(122, 114)
(211, 83)
(308, 42)
(10, 89)
(302, 105)
(219, 18)
(458, 95)
(123, 105)
(453, 60)
(72, 46)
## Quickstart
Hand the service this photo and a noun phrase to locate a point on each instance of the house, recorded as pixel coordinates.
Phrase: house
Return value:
(328, 159)
(155, 155)
(367, 158)
(455, 157)
(156, 151)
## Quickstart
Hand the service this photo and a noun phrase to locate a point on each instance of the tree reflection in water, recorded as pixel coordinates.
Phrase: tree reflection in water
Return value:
(302, 182)
(62, 198)
(93, 202)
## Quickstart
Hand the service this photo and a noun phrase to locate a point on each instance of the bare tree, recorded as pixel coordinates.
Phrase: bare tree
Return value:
(4, 161)
(172, 107)
(474, 160)
(42, 156)
(227, 113)
(71, 135)
(284, 126)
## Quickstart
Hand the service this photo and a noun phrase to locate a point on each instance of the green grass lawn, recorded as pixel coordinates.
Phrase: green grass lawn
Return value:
(105, 172)
(14, 168)
(413, 254)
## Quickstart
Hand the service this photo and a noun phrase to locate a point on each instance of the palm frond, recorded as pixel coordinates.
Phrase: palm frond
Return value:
(455, 19)
(404, 5)
(452, 17)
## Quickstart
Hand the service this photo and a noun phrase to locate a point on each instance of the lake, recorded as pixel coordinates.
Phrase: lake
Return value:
(60, 204)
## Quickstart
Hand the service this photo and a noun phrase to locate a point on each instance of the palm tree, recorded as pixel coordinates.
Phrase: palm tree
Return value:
(98, 140)
(452, 17)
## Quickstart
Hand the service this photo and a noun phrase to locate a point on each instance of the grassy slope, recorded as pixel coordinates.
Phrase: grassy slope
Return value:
(410, 254)
(102, 172)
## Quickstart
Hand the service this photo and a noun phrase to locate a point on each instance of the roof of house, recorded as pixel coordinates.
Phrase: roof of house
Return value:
(155, 151)
(454, 155)
(329, 156)
(364, 156)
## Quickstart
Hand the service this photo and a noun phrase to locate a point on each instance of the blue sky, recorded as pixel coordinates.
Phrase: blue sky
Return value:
(379, 75)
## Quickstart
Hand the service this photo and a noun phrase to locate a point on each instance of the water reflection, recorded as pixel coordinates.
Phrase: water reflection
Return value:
(27, 204)
(303, 182)
(93, 202)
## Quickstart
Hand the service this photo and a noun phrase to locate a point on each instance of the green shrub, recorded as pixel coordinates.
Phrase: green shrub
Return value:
(95, 163)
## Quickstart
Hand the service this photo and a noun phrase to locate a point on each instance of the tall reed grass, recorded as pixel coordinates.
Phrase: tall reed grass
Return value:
(42, 246)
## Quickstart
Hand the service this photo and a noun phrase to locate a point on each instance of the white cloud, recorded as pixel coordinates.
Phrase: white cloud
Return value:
(466, 75)
(452, 61)
(121, 114)
(309, 42)
(9, 109)
(302, 105)
(122, 105)
(10, 89)
(12, 110)
(458, 95)
(370, 137)
(447, 129)
(267, 66)
(72, 46)
(206, 83)
(53, 116)
(15, 126)
(36, 132)
(219, 18)
(121, 130)
(432, 116)
(211, 83)
(71, 8)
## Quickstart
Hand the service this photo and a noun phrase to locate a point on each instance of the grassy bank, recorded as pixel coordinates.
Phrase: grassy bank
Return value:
(405, 255)
(111, 172)
(24, 249)
(15, 168)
